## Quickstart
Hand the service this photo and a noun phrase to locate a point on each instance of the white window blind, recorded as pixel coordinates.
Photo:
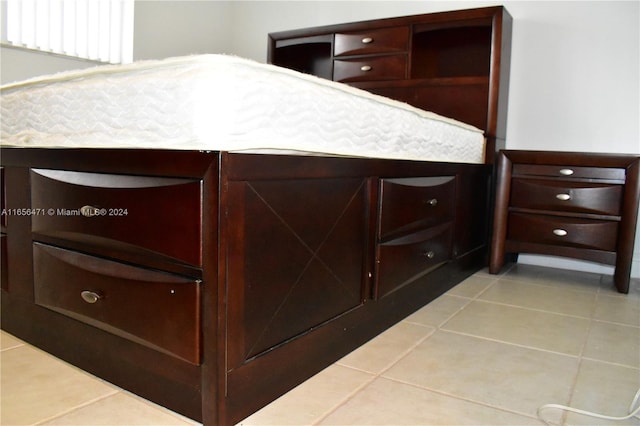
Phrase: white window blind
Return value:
(100, 30)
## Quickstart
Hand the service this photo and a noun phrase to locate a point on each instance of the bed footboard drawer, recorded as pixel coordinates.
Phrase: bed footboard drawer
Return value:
(155, 309)
(133, 213)
(563, 231)
(412, 203)
(406, 259)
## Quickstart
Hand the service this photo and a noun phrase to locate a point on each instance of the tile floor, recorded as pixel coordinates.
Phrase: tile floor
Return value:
(490, 351)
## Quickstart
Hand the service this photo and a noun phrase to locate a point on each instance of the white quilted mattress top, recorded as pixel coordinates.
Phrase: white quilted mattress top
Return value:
(224, 103)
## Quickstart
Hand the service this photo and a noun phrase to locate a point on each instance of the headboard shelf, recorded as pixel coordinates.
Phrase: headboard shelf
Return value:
(451, 52)
(452, 63)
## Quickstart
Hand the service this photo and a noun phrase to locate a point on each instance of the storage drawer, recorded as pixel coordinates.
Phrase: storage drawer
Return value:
(566, 196)
(563, 231)
(406, 259)
(609, 173)
(412, 203)
(155, 309)
(386, 40)
(392, 67)
(161, 215)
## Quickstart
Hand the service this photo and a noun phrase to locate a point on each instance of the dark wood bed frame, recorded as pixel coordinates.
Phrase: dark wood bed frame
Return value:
(213, 282)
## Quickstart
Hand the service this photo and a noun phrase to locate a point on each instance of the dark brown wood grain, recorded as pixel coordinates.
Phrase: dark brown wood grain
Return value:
(288, 276)
(594, 219)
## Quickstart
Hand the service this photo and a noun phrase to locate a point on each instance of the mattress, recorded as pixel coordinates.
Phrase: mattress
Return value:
(224, 103)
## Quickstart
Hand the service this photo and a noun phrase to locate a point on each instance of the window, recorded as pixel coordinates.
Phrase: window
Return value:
(100, 30)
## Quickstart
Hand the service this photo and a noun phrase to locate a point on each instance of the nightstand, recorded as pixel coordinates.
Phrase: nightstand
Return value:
(569, 204)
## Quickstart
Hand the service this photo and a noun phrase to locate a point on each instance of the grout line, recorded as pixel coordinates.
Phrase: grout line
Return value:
(462, 398)
(19, 342)
(374, 376)
(76, 407)
(528, 308)
(574, 383)
(18, 345)
(622, 324)
(615, 364)
(344, 400)
(549, 284)
(159, 408)
(519, 345)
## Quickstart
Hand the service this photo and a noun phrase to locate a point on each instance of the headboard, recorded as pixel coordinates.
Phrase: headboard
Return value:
(452, 63)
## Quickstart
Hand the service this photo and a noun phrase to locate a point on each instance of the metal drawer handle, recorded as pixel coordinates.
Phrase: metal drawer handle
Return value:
(367, 40)
(563, 197)
(90, 296)
(560, 232)
(432, 202)
(566, 172)
(366, 68)
(429, 254)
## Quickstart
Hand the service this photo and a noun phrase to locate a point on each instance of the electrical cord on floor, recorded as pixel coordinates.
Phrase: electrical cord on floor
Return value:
(634, 411)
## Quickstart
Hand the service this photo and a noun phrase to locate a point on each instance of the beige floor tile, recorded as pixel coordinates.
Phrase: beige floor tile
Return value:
(484, 272)
(385, 402)
(501, 375)
(606, 389)
(439, 311)
(7, 341)
(37, 386)
(119, 409)
(547, 298)
(541, 275)
(473, 286)
(536, 329)
(614, 343)
(311, 400)
(608, 287)
(385, 349)
(623, 309)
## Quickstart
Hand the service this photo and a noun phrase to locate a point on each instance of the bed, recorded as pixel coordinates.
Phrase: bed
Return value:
(208, 231)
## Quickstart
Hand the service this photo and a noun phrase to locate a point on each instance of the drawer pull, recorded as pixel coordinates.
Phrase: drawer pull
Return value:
(563, 197)
(365, 68)
(430, 254)
(560, 232)
(432, 202)
(367, 40)
(566, 172)
(90, 296)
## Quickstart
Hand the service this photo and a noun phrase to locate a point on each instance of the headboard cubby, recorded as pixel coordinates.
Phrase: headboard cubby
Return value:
(452, 63)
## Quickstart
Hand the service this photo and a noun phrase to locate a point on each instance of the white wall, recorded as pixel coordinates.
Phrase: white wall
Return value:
(174, 28)
(575, 66)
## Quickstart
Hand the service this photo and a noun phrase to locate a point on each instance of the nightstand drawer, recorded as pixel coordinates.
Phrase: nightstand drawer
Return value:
(386, 40)
(405, 259)
(155, 215)
(566, 196)
(412, 203)
(155, 309)
(391, 67)
(563, 231)
(568, 171)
